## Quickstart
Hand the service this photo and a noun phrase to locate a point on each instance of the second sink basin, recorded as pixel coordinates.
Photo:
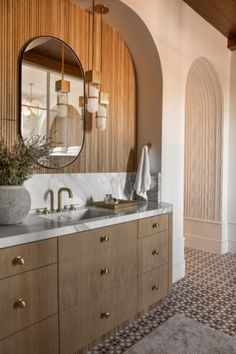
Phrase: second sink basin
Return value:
(85, 213)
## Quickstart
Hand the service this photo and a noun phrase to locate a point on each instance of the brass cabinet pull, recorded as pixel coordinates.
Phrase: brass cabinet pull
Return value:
(18, 260)
(105, 239)
(105, 314)
(155, 225)
(155, 287)
(155, 252)
(104, 271)
(20, 303)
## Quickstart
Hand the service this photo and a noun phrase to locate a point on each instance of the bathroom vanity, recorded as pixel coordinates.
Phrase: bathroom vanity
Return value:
(64, 284)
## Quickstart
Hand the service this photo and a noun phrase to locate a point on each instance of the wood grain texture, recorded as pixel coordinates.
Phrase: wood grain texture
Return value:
(82, 324)
(147, 249)
(149, 226)
(220, 14)
(203, 143)
(41, 338)
(152, 287)
(38, 288)
(35, 255)
(112, 150)
(83, 256)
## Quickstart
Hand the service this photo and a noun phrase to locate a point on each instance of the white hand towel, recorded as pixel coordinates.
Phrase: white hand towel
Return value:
(143, 177)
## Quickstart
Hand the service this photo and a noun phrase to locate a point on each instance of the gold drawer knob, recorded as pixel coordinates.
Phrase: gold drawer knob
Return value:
(104, 271)
(155, 252)
(105, 314)
(18, 261)
(105, 239)
(155, 225)
(155, 287)
(20, 304)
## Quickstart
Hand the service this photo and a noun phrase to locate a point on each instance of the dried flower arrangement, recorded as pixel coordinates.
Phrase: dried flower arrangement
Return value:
(17, 164)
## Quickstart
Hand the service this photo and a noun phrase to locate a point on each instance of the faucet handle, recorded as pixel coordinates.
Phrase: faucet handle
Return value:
(43, 211)
(72, 207)
(60, 210)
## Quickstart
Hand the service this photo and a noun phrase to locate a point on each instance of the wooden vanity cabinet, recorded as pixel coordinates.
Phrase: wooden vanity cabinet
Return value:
(62, 295)
(109, 275)
(154, 260)
(97, 277)
(29, 299)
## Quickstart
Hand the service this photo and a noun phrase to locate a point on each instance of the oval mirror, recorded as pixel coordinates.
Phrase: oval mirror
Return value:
(51, 98)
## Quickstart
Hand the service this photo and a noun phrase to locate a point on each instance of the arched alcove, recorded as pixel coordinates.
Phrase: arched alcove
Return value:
(203, 143)
(148, 74)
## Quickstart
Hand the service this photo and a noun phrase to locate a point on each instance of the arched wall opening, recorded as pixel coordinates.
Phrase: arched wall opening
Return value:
(148, 75)
(203, 157)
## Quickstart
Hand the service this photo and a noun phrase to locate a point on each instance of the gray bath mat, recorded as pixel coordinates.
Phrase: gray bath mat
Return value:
(181, 335)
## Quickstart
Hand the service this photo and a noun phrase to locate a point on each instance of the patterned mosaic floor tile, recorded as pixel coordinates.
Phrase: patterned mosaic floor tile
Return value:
(207, 294)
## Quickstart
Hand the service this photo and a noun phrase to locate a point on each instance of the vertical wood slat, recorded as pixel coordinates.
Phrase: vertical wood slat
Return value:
(203, 143)
(113, 150)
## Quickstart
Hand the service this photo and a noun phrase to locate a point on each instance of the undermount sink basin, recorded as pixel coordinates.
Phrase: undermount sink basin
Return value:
(77, 215)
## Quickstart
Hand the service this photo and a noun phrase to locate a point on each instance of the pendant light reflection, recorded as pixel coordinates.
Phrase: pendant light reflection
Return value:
(31, 107)
(62, 87)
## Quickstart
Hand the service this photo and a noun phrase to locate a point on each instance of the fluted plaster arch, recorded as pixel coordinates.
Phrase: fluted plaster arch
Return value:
(203, 142)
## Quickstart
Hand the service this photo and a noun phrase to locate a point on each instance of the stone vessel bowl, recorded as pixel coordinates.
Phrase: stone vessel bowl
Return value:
(15, 204)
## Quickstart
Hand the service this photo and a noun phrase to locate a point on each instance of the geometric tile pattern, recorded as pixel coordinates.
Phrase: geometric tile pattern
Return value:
(207, 294)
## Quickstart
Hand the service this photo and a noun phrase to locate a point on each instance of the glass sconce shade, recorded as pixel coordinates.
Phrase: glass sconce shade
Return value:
(62, 105)
(101, 118)
(93, 98)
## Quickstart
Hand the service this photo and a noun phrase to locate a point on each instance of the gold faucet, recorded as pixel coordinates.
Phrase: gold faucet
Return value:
(59, 208)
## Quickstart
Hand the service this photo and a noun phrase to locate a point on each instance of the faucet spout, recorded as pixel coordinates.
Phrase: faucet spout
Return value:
(68, 190)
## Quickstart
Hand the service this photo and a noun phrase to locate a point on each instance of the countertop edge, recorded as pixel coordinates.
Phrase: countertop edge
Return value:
(14, 240)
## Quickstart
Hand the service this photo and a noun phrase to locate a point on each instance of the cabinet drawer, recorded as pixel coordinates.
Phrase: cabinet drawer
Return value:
(18, 259)
(152, 225)
(152, 252)
(38, 293)
(41, 338)
(152, 287)
(93, 266)
(84, 323)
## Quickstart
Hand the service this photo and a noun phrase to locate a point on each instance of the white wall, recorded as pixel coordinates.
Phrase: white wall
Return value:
(181, 36)
(232, 158)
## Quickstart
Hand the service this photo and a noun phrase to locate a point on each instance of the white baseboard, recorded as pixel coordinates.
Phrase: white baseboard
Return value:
(178, 271)
(232, 237)
(204, 235)
(203, 244)
(178, 258)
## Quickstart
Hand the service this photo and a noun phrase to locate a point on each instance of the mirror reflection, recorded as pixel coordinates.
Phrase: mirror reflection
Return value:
(52, 85)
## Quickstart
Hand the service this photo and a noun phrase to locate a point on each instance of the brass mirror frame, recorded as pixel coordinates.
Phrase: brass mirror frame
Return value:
(20, 61)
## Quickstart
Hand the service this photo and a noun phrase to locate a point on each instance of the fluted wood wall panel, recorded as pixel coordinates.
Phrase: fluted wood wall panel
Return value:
(113, 150)
(203, 143)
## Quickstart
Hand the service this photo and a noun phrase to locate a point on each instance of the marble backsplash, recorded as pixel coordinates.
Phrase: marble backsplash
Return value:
(86, 188)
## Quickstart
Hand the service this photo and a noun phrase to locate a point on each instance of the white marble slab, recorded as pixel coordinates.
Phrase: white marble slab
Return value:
(86, 188)
(36, 228)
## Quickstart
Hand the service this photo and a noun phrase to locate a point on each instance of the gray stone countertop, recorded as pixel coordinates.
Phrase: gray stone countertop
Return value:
(41, 227)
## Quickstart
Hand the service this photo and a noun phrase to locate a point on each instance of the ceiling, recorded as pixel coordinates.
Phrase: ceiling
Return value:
(219, 13)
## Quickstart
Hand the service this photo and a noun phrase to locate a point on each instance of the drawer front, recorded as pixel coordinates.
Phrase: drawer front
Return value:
(152, 252)
(18, 259)
(149, 226)
(93, 266)
(89, 321)
(26, 299)
(152, 287)
(41, 338)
